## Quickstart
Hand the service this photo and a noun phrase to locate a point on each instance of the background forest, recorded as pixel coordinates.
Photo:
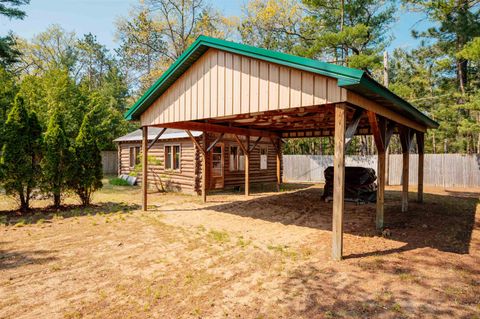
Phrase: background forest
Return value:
(60, 72)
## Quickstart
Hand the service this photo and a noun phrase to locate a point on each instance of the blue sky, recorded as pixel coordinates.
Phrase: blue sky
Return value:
(99, 16)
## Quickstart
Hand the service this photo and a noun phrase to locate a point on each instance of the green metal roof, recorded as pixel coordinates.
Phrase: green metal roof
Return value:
(349, 78)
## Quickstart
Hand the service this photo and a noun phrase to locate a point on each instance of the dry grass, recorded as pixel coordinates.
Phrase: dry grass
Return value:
(265, 257)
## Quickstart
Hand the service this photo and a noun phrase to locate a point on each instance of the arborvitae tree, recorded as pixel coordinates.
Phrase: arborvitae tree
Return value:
(56, 159)
(86, 173)
(19, 163)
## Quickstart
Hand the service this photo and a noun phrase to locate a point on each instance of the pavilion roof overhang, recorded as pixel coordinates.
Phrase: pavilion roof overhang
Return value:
(351, 79)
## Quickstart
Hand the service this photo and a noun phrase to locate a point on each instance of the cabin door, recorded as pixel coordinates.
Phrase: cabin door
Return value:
(217, 167)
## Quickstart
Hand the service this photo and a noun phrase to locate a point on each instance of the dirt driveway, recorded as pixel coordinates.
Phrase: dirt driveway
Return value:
(267, 256)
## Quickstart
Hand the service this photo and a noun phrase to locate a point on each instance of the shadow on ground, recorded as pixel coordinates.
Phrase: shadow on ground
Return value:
(44, 215)
(14, 259)
(443, 222)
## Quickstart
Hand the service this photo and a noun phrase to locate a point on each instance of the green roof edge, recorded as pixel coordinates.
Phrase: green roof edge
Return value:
(346, 76)
(384, 92)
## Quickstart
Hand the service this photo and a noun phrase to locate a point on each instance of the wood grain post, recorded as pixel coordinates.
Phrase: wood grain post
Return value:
(406, 135)
(279, 164)
(381, 175)
(204, 167)
(144, 167)
(421, 159)
(338, 182)
(247, 166)
(405, 172)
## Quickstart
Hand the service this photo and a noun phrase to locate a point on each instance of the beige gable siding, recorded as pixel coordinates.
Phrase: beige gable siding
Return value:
(224, 84)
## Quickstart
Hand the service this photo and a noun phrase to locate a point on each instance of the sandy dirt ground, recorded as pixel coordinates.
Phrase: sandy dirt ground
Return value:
(266, 256)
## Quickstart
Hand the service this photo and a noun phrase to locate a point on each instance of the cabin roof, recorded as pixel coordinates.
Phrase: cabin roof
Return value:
(136, 136)
(349, 78)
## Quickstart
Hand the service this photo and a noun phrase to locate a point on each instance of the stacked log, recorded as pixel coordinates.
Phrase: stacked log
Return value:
(360, 184)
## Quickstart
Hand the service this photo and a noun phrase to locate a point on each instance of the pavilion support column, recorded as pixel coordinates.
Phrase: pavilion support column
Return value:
(279, 164)
(338, 182)
(406, 135)
(382, 131)
(144, 167)
(247, 167)
(421, 158)
(204, 167)
(405, 174)
(381, 178)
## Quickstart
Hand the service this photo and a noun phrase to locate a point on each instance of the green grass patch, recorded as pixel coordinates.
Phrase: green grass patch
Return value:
(116, 181)
(219, 236)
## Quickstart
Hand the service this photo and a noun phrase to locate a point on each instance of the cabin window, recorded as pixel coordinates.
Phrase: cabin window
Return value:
(134, 156)
(217, 161)
(263, 157)
(172, 157)
(237, 159)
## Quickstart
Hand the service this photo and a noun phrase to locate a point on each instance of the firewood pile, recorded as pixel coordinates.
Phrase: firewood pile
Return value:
(360, 184)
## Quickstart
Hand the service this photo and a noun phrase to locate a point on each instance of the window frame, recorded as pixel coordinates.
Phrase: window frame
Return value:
(237, 167)
(135, 151)
(263, 147)
(172, 147)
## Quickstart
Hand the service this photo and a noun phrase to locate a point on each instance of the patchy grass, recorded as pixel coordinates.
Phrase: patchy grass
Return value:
(267, 256)
(219, 236)
(116, 181)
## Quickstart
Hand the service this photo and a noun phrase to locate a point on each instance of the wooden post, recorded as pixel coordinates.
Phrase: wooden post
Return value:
(381, 176)
(204, 167)
(406, 141)
(338, 182)
(421, 158)
(279, 164)
(247, 167)
(381, 134)
(405, 172)
(144, 167)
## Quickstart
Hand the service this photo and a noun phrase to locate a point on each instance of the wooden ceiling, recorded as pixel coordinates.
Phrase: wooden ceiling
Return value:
(300, 122)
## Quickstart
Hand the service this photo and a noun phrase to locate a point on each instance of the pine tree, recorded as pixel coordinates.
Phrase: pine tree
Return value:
(9, 8)
(19, 163)
(86, 173)
(56, 159)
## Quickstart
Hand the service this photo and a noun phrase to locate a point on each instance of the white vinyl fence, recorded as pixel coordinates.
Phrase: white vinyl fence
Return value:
(447, 170)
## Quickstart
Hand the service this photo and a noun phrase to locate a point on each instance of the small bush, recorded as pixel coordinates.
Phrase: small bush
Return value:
(118, 182)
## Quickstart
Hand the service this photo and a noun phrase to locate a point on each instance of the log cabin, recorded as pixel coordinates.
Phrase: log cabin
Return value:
(175, 161)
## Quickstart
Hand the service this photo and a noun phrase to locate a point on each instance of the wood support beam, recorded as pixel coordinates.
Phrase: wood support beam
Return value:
(144, 167)
(369, 105)
(245, 150)
(255, 144)
(382, 131)
(406, 137)
(353, 125)
(217, 128)
(239, 142)
(247, 167)
(204, 167)
(197, 144)
(218, 139)
(421, 158)
(278, 152)
(157, 137)
(381, 177)
(338, 181)
(378, 131)
(204, 153)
